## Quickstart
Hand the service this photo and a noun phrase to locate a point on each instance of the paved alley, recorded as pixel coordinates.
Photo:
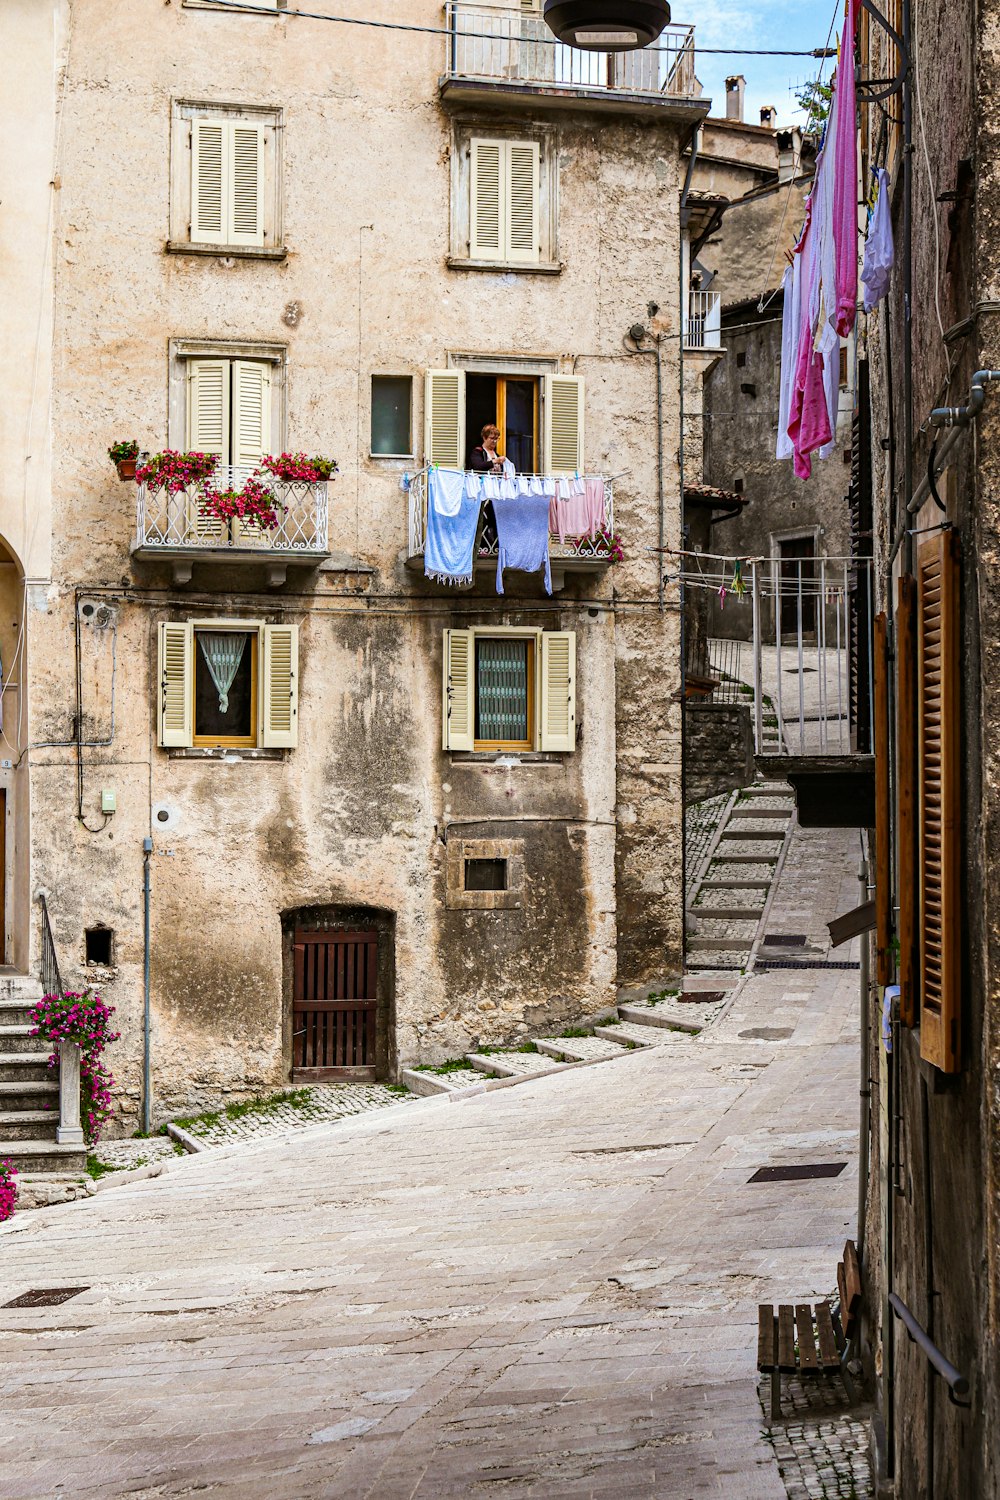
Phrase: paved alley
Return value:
(548, 1290)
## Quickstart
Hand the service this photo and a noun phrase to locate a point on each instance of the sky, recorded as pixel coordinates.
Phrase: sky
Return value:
(759, 23)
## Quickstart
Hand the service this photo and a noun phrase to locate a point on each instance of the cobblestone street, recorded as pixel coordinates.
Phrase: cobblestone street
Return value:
(548, 1290)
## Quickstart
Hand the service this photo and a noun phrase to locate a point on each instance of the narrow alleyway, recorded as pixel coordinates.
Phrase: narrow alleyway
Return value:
(546, 1291)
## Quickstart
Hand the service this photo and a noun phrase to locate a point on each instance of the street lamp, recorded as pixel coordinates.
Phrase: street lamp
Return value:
(607, 25)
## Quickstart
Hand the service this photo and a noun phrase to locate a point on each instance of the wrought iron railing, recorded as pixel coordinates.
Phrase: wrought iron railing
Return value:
(500, 45)
(50, 976)
(176, 521)
(703, 326)
(594, 549)
(720, 664)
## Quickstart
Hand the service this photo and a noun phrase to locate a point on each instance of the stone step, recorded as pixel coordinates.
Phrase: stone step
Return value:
(43, 1156)
(649, 1015)
(747, 835)
(13, 1013)
(577, 1048)
(729, 913)
(20, 1037)
(734, 885)
(12, 1088)
(20, 989)
(749, 810)
(735, 944)
(28, 1124)
(750, 858)
(625, 1032)
(425, 1084)
(18, 1066)
(510, 1064)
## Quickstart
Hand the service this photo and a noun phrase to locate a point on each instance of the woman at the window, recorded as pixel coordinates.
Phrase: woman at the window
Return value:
(485, 459)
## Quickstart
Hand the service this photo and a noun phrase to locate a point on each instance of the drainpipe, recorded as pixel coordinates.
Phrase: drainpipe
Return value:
(865, 1091)
(683, 304)
(147, 1112)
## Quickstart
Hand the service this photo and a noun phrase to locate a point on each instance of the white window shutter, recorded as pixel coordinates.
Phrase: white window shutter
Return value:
(175, 668)
(522, 179)
(246, 200)
(563, 424)
(209, 195)
(488, 221)
(444, 418)
(459, 688)
(208, 407)
(280, 728)
(558, 690)
(251, 421)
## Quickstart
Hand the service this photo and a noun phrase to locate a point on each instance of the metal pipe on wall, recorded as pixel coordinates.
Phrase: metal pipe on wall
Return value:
(147, 1102)
(865, 1090)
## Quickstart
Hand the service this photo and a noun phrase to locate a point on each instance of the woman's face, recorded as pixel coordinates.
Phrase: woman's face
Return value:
(490, 442)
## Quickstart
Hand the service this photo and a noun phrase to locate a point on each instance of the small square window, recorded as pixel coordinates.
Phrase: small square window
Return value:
(738, 486)
(485, 874)
(99, 946)
(392, 403)
(741, 359)
(225, 687)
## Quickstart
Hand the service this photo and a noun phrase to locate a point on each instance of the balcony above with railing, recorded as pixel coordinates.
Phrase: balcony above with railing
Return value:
(703, 324)
(586, 554)
(500, 54)
(174, 527)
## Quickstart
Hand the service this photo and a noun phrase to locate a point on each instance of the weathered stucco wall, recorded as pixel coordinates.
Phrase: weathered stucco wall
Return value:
(359, 815)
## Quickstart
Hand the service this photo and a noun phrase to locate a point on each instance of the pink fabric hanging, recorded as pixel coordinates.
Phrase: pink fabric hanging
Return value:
(845, 180)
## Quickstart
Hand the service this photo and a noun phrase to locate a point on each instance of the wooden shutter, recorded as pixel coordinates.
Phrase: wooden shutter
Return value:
(251, 418)
(208, 407)
(246, 180)
(209, 197)
(885, 967)
(940, 801)
(563, 424)
(521, 182)
(486, 233)
(444, 418)
(558, 690)
(458, 691)
(906, 798)
(280, 728)
(175, 667)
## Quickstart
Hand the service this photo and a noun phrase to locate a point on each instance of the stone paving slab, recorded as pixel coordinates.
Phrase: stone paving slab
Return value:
(581, 1048)
(127, 1155)
(325, 1102)
(757, 849)
(512, 1063)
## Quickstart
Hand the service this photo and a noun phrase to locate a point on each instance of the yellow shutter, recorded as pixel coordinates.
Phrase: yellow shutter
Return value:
(174, 685)
(209, 199)
(280, 729)
(246, 154)
(459, 686)
(563, 424)
(488, 175)
(522, 202)
(558, 690)
(251, 422)
(444, 418)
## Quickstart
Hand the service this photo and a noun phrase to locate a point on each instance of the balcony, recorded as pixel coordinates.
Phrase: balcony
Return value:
(498, 55)
(703, 325)
(588, 555)
(171, 528)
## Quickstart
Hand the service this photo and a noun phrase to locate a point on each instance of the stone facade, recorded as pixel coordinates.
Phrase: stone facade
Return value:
(102, 304)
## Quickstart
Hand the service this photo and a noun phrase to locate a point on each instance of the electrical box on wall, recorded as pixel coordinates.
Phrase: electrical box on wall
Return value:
(109, 801)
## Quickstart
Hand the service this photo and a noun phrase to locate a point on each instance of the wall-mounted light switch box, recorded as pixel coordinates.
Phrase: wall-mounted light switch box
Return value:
(109, 801)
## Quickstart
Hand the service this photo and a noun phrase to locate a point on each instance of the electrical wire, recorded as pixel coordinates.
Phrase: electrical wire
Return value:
(491, 36)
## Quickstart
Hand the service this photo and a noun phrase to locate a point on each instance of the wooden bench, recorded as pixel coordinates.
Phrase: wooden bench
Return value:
(811, 1339)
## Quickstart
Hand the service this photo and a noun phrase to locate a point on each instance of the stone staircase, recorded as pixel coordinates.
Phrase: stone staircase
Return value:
(726, 908)
(29, 1088)
(657, 1021)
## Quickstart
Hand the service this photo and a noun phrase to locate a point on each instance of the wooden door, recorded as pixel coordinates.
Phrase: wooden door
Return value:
(335, 1005)
(798, 587)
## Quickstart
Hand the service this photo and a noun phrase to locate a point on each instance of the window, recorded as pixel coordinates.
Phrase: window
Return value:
(392, 402)
(455, 402)
(227, 683)
(225, 180)
(843, 367)
(485, 874)
(98, 946)
(509, 689)
(227, 398)
(504, 201)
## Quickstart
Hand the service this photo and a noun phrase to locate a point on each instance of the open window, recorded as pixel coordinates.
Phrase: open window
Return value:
(509, 689)
(227, 684)
(541, 419)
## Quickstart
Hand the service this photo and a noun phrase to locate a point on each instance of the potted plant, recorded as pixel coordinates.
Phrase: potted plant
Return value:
(174, 472)
(124, 455)
(326, 468)
(254, 505)
(606, 543)
(8, 1189)
(299, 468)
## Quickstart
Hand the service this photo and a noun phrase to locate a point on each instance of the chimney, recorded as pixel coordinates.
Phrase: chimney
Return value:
(789, 144)
(735, 90)
(769, 116)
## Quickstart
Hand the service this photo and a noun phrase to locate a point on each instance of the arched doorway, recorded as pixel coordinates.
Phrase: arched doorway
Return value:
(339, 994)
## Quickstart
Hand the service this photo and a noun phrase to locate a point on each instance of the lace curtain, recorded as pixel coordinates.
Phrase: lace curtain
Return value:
(223, 651)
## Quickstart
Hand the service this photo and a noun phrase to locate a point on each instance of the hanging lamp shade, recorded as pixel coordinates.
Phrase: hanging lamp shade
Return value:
(607, 25)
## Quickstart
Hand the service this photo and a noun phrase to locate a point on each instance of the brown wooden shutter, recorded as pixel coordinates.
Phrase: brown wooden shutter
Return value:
(907, 766)
(940, 805)
(885, 968)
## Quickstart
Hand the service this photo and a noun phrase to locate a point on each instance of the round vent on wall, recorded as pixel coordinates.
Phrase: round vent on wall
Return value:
(165, 817)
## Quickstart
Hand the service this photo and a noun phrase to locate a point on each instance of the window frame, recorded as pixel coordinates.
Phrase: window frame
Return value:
(270, 118)
(276, 707)
(181, 351)
(488, 633)
(389, 375)
(254, 632)
(546, 138)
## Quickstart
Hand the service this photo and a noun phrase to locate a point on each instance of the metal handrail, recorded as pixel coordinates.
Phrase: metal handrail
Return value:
(487, 549)
(51, 978)
(952, 1377)
(175, 520)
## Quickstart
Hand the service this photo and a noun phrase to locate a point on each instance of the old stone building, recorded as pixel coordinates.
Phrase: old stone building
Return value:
(244, 233)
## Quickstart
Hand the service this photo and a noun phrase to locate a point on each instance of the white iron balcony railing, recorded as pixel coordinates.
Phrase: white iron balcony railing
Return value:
(168, 525)
(503, 44)
(812, 656)
(587, 551)
(703, 326)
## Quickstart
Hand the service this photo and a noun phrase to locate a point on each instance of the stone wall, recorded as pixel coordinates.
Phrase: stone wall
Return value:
(718, 749)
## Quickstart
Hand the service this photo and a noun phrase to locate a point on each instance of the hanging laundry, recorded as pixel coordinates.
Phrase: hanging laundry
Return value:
(790, 323)
(845, 179)
(570, 516)
(452, 523)
(880, 252)
(594, 491)
(523, 536)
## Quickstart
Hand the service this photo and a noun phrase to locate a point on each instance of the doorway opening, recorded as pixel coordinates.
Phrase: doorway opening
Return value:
(339, 988)
(511, 402)
(797, 569)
